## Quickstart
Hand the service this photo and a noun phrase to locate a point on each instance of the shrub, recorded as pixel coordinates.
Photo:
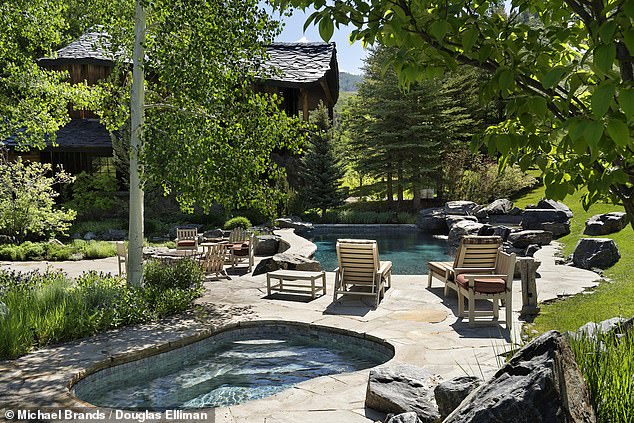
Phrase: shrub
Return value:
(237, 222)
(184, 274)
(27, 201)
(53, 251)
(61, 310)
(94, 196)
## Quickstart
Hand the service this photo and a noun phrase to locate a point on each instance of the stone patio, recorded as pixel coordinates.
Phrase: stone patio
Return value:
(420, 323)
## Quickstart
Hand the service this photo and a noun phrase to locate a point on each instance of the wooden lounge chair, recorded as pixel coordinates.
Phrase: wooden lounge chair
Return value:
(493, 285)
(122, 258)
(473, 252)
(213, 261)
(187, 239)
(241, 247)
(360, 271)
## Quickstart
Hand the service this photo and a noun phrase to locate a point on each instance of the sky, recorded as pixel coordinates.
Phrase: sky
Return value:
(349, 57)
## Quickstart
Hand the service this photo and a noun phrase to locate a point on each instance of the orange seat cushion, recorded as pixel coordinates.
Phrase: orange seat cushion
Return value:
(186, 243)
(240, 250)
(483, 284)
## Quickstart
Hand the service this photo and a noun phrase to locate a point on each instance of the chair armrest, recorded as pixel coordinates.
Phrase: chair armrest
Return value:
(479, 275)
(336, 270)
(385, 266)
(473, 269)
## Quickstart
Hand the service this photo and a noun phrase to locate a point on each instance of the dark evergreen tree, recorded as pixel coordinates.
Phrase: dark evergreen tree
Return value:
(320, 169)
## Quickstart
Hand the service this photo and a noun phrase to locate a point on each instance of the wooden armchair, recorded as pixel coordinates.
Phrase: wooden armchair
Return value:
(495, 285)
(187, 239)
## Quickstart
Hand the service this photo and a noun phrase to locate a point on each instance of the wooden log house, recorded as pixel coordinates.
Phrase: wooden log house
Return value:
(305, 74)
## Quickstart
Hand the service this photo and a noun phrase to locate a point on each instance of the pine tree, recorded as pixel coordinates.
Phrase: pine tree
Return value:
(321, 170)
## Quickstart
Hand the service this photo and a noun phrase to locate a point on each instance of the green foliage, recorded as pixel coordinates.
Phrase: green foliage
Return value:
(398, 136)
(27, 201)
(360, 217)
(60, 309)
(93, 196)
(484, 183)
(607, 363)
(53, 251)
(184, 274)
(565, 74)
(321, 170)
(237, 222)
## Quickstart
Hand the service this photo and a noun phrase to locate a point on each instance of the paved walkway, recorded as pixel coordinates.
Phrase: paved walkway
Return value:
(420, 323)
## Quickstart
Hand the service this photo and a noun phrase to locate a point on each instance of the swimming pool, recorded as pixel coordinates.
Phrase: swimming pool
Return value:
(406, 247)
(253, 361)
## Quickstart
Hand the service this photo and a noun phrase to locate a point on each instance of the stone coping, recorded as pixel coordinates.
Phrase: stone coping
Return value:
(298, 244)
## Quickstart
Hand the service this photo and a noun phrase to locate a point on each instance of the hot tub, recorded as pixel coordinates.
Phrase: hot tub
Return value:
(251, 361)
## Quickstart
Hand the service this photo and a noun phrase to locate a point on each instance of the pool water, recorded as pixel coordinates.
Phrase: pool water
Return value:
(227, 371)
(408, 249)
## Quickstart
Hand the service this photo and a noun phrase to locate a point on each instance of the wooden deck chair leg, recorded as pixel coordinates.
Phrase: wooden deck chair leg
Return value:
(460, 304)
(429, 280)
(509, 312)
(496, 309)
(471, 308)
(337, 282)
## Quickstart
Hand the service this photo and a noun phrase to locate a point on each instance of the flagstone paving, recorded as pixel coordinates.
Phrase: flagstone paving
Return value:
(419, 322)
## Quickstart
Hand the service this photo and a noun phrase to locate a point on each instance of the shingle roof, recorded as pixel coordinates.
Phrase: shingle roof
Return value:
(78, 133)
(90, 47)
(295, 62)
(300, 62)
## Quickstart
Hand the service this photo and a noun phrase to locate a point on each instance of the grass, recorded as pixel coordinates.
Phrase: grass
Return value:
(76, 250)
(607, 363)
(609, 299)
(60, 309)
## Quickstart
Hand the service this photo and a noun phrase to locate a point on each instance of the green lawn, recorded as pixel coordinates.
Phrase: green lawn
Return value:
(609, 299)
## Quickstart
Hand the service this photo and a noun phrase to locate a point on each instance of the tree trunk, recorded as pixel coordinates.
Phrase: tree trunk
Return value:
(399, 185)
(390, 188)
(137, 114)
(416, 193)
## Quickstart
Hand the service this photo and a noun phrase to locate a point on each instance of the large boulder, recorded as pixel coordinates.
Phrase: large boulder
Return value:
(552, 220)
(459, 207)
(461, 229)
(267, 245)
(607, 223)
(410, 417)
(432, 220)
(293, 222)
(113, 234)
(213, 234)
(450, 393)
(595, 253)
(523, 239)
(546, 204)
(500, 206)
(286, 261)
(540, 384)
(455, 218)
(593, 329)
(401, 389)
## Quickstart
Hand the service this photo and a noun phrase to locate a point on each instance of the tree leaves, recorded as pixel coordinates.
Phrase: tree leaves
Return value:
(604, 56)
(601, 98)
(326, 28)
(619, 132)
(626, 101)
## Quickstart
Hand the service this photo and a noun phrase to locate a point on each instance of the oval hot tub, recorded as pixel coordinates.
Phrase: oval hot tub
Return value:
(251, 361)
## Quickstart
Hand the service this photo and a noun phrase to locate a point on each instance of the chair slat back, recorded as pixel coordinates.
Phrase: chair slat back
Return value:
(122, 251)
(506, 266)
(478, 251)
(186, 234)
(358, 260)
(238, 235)
(215, 258)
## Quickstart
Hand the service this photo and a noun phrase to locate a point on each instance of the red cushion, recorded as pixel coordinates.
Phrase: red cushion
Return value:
(186, 243)
(240, 249)
(483, 284)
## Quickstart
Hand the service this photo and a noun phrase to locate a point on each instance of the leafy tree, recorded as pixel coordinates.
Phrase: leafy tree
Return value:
(27, 201)
(197, 126)
(566, 68)
(321, 170)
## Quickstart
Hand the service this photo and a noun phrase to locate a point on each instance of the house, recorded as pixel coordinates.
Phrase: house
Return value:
(303, 74)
